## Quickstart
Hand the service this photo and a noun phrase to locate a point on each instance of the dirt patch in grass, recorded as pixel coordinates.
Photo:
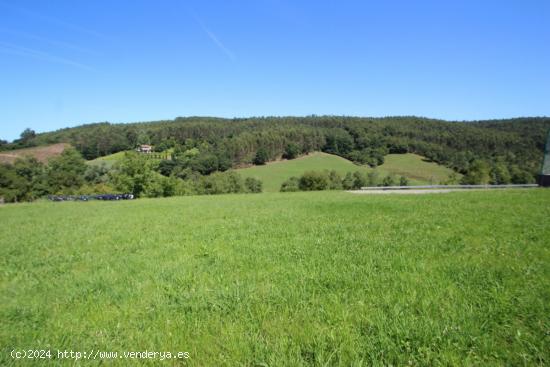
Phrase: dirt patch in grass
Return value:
(43, 154)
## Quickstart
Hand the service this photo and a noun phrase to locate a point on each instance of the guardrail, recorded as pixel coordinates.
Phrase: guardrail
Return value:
(511, 186)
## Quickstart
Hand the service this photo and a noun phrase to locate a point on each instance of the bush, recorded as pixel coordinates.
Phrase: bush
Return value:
(253, 185)
(95, 189)
(519, 176)
(347, 182)
(478, 174)
(500, 175)
(291, 151)
(261, 156)
(291, 185)
(335, 181)
(389, 180)
(359, 180)
(221, 183)
(312, 181)
(452, 179)
(372, 178)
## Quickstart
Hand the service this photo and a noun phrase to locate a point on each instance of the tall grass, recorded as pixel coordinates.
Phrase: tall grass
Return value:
(297, 279)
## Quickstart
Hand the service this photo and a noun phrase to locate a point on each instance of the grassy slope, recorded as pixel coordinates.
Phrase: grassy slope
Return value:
(319, 278)
(410, 165)
(274, 174)
(415, 167)
(43, 153)
(109, 160)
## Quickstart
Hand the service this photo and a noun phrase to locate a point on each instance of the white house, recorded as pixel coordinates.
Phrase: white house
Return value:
(144, 148)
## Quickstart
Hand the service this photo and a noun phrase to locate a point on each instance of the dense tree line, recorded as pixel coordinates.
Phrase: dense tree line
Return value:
(496, 151)
(68, 174)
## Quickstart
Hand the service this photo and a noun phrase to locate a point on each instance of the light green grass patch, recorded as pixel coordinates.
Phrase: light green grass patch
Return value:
(110, 159)
(416, 168)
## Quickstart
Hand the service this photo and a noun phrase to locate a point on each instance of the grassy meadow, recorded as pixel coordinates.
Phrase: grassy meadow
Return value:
(411, 166)
(294, 279)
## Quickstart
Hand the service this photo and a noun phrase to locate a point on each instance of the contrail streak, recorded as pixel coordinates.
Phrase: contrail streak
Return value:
(215, 39)
(48, 40)
(53, 20)
(8, 48)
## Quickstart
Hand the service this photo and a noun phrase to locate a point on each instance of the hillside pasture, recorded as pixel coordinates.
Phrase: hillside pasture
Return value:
(282, 279)
(412, 166)
(111, 159)
(273, 174)
(416, 168)
(108, 160)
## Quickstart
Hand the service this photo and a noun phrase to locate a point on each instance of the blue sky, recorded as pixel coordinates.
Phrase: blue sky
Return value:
(65, 63)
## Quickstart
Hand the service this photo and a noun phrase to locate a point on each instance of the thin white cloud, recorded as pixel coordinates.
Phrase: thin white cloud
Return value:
(55, 21)
(215, 39)
(8, 48)
(48, 40)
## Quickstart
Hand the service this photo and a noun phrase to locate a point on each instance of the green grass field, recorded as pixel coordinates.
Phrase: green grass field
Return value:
(411, 166)
(295, 279)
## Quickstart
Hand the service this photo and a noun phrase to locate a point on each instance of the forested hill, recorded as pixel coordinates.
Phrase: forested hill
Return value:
(515, 144)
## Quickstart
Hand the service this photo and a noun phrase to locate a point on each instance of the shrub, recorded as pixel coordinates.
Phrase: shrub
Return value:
(291, 185)
(95, 189)
(347, 182)
(372, 178)
(389, 180)
(312, 180)
(335, 180)
(222, 183)
(359, 180)
(478, 173)
(452, 179)
(253, 185)
(291, 151)
(261, 156)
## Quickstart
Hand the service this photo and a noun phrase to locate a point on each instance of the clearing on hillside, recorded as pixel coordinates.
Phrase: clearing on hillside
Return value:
(412, 166)
(111, 159)
(43, 153)
(282, 279)
(417, 168)
(108, 160)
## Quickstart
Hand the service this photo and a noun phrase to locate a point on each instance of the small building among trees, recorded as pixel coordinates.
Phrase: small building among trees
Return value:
(144, 148)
